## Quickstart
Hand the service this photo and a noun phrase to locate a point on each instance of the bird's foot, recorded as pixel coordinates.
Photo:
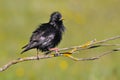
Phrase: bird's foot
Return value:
(54, 49)
(37, 55)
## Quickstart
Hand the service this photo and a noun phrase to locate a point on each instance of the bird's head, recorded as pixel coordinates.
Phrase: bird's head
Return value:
(56, 18)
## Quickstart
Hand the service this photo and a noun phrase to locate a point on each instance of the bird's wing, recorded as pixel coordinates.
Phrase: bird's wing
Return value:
(35, 36)
(40, 31)
(42, 36)
(47, 40)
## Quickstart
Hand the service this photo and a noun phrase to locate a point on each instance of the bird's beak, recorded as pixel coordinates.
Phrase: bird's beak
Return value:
(61, 19)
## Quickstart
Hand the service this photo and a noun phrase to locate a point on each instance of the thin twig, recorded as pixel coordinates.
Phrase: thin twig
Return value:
(24, 59)
(91, 44)
(98, 56)
(94, 43)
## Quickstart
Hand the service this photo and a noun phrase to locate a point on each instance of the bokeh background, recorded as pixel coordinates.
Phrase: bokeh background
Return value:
(85, 20)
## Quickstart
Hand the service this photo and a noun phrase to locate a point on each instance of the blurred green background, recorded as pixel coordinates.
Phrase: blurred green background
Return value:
(85, 20)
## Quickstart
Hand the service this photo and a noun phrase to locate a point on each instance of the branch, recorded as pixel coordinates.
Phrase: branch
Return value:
(94, 42)
(24, 59)
(89, 45)
(96, 57)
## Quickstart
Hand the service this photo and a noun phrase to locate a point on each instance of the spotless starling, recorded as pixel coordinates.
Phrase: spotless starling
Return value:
(47, 36)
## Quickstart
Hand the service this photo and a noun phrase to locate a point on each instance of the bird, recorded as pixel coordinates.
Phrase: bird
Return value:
(47, 36)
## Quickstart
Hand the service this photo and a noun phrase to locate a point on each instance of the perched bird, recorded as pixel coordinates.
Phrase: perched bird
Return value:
(47, 36)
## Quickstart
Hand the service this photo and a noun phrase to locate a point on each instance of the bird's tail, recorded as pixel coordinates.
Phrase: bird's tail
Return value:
(25, 49)
(25, 46)
(29, 46)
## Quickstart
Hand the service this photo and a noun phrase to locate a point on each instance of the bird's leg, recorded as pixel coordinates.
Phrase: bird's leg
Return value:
(37, 54)
(66, 54)
(54, 49)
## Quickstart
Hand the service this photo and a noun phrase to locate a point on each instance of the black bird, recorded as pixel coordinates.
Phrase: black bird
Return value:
(48, 35)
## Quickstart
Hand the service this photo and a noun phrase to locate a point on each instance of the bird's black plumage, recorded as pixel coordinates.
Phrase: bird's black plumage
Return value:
(47, 35)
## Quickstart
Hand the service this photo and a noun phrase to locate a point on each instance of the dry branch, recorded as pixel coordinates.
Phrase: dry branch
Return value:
(89, 45)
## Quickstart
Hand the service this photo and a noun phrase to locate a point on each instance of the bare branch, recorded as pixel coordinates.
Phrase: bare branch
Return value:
(96, 57)
(65, 52)
(24, 59)
(94, 42)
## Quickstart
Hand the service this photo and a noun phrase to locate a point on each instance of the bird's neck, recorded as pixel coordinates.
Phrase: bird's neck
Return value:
(59, 26)
(52, 23)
